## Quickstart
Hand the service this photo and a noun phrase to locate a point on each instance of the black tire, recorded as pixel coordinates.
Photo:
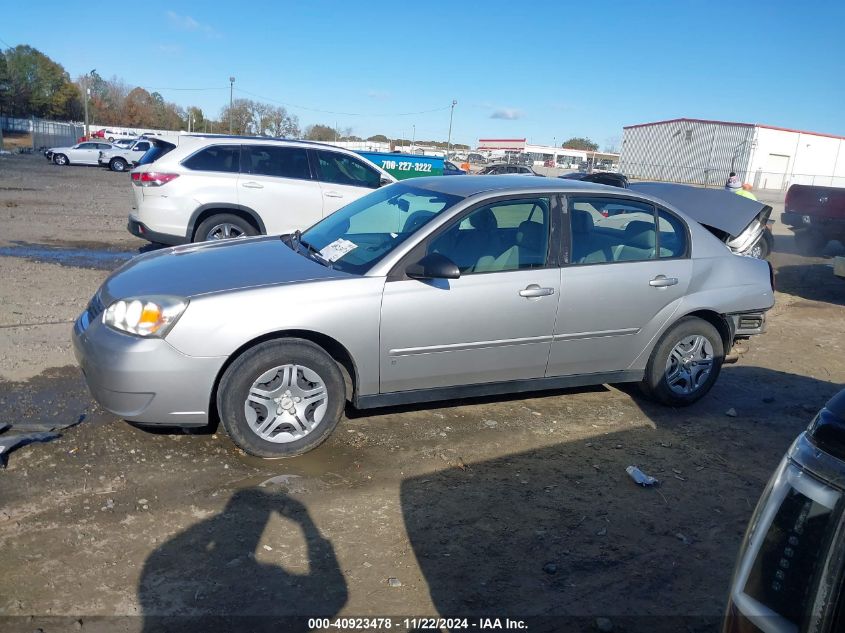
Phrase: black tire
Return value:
(111, 139)
(210, 228)
(60, 159)
(238, 380)
(118, 164)
(655, 383)
(809, 243)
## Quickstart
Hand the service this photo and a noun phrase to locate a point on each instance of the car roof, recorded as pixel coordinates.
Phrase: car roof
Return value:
(260, 139)
(472, 185)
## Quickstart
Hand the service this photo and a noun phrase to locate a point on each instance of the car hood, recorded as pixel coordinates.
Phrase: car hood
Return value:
(197, 269)
(714, 208)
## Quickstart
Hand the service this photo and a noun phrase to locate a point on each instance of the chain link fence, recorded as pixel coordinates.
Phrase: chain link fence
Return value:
(42, 134)
(713, 177)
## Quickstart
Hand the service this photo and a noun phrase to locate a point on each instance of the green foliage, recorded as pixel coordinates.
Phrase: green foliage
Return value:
(321, 132)
(581, 143)
(32, 84)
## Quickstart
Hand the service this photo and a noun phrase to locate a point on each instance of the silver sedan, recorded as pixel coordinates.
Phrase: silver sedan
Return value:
(428, 289)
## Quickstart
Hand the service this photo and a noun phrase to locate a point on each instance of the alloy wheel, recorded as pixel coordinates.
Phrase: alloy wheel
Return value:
(224, 231)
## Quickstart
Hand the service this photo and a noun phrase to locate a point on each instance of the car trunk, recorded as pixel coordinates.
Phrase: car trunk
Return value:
(738, 221)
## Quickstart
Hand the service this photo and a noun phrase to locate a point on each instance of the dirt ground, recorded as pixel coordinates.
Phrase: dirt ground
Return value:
(496, 507)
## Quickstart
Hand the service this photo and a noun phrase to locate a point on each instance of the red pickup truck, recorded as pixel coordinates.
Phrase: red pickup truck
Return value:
(816, 214)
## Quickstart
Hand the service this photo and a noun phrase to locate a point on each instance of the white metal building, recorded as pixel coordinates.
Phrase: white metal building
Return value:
(705, 152)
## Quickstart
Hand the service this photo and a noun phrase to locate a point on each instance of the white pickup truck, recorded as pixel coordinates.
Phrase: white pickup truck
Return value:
(123, 159)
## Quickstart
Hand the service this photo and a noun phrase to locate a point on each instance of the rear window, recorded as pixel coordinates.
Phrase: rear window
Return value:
(220, 158)
(156, 151)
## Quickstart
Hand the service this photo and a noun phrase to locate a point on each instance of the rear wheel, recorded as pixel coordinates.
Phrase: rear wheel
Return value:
(223, 227)
(281, 398)
(809, 243)
(60, 159)
(118, 164)
(685, 363)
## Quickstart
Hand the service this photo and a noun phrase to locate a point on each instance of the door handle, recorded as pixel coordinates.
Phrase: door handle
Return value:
(333, 194)
(661, 281)
(252, 185)
(533, 290)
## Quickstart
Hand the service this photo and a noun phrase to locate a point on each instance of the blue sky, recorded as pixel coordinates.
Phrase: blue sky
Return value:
(539, 69)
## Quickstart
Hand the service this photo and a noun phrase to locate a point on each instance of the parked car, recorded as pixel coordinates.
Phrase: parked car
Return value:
(476, 158)
(122, 159)
(85, 153)
(451, 169)
(790, 572)
(215, 187)
(602, 178)
(428, 289)
(116, 135)
(500, 169)
(816, 215)
(123, 142)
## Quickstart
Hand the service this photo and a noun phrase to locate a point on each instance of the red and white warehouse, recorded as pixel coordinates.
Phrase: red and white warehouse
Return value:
(705, 152)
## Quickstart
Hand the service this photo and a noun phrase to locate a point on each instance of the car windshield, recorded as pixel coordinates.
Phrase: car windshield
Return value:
(360, 234)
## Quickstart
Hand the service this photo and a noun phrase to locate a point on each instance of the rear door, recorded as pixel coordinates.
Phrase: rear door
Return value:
(343, 178)
(276, 182)
(624, 280)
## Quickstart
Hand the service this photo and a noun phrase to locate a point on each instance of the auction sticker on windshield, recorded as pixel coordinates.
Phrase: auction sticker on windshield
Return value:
(337, 249)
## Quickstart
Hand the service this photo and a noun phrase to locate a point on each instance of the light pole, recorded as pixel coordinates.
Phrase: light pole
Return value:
(231, 100)
(88, 94)
(449, 140)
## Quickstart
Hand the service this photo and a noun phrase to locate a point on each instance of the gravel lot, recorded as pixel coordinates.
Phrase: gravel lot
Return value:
(493, 507)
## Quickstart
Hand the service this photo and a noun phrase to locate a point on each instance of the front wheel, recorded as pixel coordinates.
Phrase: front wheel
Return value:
(685, 363)
(60, 159)
(118, 164)
(223, 227)
(281, 398)
(761, 248)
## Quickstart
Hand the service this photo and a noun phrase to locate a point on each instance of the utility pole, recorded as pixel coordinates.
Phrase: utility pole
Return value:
(86, 96)
(449, 140)
(231, 100)
(414, 139)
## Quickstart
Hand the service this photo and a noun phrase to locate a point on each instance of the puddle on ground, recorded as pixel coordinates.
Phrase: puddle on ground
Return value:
(65, 256)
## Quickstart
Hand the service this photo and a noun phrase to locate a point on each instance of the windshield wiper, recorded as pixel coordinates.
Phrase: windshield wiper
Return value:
(312, 251)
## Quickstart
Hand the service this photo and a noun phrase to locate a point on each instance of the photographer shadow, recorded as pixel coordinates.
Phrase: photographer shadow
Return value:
(208, 577)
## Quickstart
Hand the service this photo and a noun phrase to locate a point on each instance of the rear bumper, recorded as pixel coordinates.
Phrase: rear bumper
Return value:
(745, 324)
(807, 220)
(143, 380)
(139, 229)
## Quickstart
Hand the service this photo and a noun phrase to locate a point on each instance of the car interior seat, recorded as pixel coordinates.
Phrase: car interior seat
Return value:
(638, 242)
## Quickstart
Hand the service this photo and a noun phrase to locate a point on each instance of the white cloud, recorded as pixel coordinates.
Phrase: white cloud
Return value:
(509, 114)
(187, 23)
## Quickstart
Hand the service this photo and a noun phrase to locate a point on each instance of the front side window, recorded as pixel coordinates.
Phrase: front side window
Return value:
(506, 235)
(280, 162)
(374, 225)
(221, 158)
(611, 230)
(345, 170)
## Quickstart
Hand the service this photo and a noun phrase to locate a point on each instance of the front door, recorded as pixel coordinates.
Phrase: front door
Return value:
(343, 179)
(492, 324)
(85, 154)
(624, 281)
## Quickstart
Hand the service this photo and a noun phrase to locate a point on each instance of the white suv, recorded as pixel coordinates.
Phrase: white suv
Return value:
(193, 188)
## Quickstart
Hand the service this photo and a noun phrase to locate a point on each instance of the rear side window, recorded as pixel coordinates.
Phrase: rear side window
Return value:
(156, 151)
(345, 170)
(281, 162)
(673, 236)
(221, 158)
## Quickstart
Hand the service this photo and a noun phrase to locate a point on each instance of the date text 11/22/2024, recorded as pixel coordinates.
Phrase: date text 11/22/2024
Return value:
(416, 624)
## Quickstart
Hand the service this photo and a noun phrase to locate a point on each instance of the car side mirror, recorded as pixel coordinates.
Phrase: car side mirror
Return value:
(384, 181)
(433, 266)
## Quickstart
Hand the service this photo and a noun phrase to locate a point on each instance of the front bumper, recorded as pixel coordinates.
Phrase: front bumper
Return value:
(143, 380)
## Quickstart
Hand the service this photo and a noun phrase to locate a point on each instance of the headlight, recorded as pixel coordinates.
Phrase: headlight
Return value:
(145, 316)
